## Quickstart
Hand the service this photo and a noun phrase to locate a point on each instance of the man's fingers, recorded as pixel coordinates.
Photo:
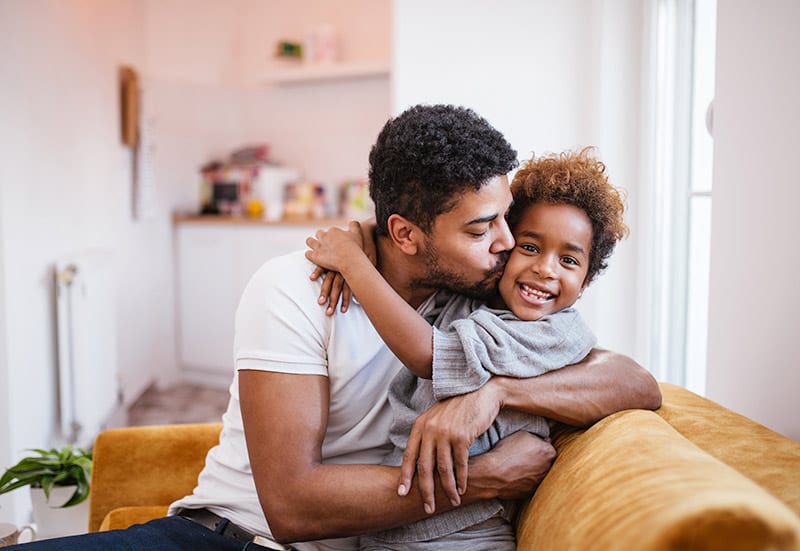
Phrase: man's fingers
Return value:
(425, 471)
(409, 465)
(461, 465)
(444, 466)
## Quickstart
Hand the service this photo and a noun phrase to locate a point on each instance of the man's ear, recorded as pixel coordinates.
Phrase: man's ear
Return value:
(404, 234)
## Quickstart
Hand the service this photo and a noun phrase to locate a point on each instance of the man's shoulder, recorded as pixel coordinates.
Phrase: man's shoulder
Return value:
(286, 275)
(281, 290)
(289, 267)
(295, 258)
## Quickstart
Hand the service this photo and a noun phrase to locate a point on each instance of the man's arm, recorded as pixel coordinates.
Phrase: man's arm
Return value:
(285, 418)
(579, 395)
(582, 394)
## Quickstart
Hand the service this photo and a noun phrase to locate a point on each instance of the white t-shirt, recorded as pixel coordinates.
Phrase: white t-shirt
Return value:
(280, 327)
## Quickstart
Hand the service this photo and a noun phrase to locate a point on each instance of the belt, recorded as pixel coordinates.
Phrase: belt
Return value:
(224, 527)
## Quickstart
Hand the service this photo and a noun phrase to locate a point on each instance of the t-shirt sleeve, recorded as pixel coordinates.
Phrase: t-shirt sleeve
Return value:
(279, 324)
(490, 342)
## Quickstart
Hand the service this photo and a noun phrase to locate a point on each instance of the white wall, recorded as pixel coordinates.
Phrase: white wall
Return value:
(550, 76)
(66, 188)
(753, 353)
(6, 500)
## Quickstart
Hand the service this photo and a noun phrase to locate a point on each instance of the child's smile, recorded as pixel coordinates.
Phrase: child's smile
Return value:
(535, 293)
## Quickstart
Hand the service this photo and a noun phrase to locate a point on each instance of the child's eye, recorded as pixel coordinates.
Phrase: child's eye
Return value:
(569, 260)
(529, 247)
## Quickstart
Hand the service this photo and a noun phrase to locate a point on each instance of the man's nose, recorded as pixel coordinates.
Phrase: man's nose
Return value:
(504, 241)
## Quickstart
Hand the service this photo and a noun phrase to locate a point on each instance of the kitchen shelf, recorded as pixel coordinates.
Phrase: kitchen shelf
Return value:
(303, 74)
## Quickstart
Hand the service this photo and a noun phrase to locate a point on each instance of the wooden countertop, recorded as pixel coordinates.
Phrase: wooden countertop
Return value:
(245, 221)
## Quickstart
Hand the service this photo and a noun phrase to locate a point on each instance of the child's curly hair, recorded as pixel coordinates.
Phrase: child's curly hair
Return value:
(578, 179)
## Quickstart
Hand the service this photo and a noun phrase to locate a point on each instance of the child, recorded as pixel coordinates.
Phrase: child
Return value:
(566, 220)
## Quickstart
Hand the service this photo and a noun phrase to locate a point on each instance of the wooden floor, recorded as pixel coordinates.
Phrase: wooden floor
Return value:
(183, 403)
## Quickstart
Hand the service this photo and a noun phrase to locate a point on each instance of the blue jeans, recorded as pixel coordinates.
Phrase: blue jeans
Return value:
(163, 534)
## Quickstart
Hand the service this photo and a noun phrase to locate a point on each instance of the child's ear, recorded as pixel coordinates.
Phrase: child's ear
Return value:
(404, 233)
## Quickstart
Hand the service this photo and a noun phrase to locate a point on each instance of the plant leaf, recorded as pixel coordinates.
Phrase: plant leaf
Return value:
(66, 454)
(34, 462)
(84, 462)
(14, 486)
(47, 485)
(31, 476)
(60, 477)
(80, 495)
(40, 451)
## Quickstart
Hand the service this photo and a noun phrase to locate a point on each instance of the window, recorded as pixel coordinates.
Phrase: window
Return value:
(678, 236)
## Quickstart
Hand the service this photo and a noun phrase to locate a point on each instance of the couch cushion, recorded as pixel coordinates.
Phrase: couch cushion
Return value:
(761, 454)
(632, 482)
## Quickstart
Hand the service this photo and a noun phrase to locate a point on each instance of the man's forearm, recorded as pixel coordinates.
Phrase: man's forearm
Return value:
(346, 500)
(581, 394)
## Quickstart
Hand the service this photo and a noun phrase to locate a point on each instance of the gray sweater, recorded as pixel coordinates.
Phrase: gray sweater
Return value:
(472, 342)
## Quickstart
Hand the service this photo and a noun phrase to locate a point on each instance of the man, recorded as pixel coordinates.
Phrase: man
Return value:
(308, 420)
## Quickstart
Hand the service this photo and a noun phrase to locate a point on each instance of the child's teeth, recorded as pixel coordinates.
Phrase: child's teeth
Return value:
(535, 292)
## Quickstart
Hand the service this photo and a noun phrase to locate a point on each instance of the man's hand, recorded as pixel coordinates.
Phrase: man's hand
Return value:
(440, 440)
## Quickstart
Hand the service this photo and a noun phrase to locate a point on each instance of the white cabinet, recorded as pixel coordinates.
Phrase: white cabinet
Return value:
(207, 290)
(215, 260)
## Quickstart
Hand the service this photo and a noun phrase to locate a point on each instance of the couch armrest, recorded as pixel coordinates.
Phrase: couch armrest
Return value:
(761, 454)
(147, 466)
(632, 482)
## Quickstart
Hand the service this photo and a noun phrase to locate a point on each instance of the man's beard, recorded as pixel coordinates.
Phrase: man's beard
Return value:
(440, 278)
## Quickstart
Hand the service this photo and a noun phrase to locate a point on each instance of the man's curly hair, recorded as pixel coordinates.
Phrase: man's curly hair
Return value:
(578, 179)
(425, 158)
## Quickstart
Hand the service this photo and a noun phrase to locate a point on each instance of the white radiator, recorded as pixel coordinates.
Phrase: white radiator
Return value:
(88, 386)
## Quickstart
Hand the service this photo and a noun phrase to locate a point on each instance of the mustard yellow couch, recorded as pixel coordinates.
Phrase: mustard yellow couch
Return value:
(690, 476)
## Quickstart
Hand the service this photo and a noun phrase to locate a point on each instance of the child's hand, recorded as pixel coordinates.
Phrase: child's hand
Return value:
(329, 251)
(333, 287)
(335, 249)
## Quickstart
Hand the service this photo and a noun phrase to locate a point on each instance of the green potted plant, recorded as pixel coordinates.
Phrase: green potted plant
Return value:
(59, 480)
